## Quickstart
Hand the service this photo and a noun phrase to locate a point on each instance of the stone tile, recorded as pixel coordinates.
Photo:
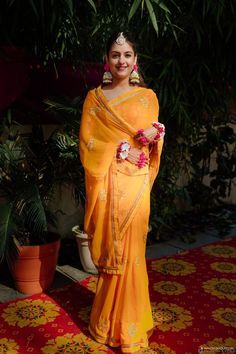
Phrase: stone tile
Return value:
(160, 250)
(201, 239)
(72, 273)
(64, 275)
(232, 232)
(214, 232)
(9, 294)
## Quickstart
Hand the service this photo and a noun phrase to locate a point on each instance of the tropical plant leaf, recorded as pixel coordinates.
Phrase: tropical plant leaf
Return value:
(133, 9)
(93, 5)
(162, 5)
(152, 15)
(69, 3)
(32, 3)
(6, 227)
(34, 210)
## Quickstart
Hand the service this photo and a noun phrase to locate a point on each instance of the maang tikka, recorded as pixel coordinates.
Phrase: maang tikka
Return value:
(107, 76)
(120, 39)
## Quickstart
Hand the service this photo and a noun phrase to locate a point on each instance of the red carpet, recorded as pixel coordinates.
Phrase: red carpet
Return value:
(193, 298)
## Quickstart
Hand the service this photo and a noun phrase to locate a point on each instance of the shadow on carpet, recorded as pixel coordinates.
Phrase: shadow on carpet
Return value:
(193, 302)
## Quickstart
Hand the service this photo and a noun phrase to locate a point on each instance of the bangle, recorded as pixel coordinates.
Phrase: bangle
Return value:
(123, 151)
(160, 130)
(143, 140)
(142, 160)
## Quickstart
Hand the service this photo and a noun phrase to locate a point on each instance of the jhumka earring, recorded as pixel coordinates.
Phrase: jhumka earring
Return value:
(134, 76)
(107, 76)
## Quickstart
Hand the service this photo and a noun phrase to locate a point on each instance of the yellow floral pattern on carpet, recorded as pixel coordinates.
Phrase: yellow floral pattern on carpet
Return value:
(192, 297)
(220, 251)
(222, 288)
(8, 346)
(219, 345)
(156, 348)
(69, 344)
(173, 266)
(31, 313)
(171, 317)
(226, 316)
(91, 284)
(223, 267)
(169, 287)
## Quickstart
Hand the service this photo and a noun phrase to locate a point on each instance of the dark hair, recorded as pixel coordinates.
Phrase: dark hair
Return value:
(114, 37)
(129, 38)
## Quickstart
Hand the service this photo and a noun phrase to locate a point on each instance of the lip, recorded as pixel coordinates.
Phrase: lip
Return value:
(122, 67)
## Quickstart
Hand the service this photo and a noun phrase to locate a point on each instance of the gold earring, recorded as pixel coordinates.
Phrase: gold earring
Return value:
(107, 76)
(134, 76)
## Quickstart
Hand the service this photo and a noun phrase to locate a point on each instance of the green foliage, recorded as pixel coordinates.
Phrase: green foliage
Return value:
(31, 167)
(67, 112)
(24, 186)
(187, 54)
(48, 29)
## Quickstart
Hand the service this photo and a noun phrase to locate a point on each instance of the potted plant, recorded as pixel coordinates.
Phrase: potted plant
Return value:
(68, 112)
(27, 179)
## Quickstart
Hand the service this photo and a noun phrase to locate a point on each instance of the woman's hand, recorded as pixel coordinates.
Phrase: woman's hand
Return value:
(137, 157)
(147, 136)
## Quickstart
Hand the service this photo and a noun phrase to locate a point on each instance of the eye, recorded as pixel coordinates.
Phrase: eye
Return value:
(114, 56)
(128, 55)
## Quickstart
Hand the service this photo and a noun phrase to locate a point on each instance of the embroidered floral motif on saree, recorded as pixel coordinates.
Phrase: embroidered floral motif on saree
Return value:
(117, 214)
(113, 122)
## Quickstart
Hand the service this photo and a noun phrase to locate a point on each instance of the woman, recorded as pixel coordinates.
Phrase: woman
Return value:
(120, 147)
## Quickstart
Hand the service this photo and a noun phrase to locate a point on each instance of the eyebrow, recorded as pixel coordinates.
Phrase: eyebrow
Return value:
(115, 52)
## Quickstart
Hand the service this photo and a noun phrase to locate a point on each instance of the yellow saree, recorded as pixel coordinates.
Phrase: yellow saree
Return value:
(117, 213)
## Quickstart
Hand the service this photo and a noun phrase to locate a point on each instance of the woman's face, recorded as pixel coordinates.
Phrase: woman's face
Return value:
(121, 60)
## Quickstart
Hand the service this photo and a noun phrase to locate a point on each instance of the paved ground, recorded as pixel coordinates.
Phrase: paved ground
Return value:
(70, 271)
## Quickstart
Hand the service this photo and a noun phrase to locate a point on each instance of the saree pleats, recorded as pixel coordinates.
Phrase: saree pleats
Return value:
(117, 213)
(121, 312)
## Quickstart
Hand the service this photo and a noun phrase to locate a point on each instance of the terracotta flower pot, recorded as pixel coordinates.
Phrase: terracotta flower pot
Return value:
(84, 252)
(34, 267)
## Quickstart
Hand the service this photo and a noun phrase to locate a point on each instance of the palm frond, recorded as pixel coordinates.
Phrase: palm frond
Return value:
(7, 227)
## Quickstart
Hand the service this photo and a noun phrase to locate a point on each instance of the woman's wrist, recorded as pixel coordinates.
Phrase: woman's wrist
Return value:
(150, 134)
(142, 139)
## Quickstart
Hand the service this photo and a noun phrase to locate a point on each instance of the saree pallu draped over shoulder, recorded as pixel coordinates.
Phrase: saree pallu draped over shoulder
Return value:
(117, 212)
(104, 125)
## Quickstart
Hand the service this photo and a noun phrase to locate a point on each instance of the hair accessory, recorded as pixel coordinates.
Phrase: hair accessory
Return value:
(134, 76)
(107, 76)
(142, 160)
(160, 130)
(120, 39)
(142, 139)
(123, 150)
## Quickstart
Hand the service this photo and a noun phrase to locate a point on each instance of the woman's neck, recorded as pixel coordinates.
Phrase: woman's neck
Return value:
(120, 84)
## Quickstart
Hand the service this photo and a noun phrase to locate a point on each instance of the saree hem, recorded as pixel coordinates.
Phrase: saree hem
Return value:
(117, 216)
(125, 348)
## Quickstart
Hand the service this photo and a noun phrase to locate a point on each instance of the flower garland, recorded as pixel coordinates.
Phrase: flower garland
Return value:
(143, 140)
(160, 130)
(123, 151)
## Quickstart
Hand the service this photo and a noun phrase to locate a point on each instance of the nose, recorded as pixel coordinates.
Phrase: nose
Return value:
(121, 59)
